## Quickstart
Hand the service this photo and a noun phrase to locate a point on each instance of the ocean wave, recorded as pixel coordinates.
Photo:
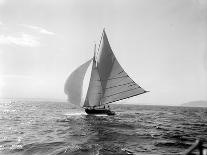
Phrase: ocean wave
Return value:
(56, 129)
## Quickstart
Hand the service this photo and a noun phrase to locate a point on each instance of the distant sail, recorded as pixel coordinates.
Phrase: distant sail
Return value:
(74, 84)
(116, 84)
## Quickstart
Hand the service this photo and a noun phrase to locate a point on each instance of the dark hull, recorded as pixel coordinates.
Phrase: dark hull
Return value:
(99, 111)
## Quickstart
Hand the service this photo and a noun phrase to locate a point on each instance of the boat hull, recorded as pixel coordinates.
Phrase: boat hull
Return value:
(99, 111)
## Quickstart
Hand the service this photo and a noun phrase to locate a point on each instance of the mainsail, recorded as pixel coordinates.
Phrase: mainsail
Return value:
(116, 84)
(108, 81)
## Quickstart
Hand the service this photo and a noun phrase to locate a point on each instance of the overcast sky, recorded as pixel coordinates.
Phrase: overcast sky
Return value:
(161, 44)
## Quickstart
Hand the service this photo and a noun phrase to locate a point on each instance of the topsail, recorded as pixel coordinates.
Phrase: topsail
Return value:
(102, 80)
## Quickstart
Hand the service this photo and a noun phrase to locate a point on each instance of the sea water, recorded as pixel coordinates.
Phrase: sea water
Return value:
(58, 128)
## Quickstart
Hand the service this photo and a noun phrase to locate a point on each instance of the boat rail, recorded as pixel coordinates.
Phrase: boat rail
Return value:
(197, 146)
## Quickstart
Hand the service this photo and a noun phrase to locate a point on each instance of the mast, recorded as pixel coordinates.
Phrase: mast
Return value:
(101, 80)
(94, 92)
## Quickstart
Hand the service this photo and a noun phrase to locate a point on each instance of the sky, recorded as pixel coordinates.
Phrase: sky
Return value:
(161, 44)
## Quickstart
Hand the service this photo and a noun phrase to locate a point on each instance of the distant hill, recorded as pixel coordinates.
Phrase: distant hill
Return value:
(195, 104)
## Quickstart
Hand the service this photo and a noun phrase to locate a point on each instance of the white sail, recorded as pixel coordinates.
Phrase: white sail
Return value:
(116, 84)
(74, 84)
(100, 80)
(120, 86)
(85, 86)
(94, 93)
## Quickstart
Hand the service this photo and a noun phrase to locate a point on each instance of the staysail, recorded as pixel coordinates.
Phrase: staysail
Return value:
(94, 93)
(101, 80)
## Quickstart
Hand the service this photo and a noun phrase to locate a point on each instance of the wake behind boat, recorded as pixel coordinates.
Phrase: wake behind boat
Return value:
(100, 81)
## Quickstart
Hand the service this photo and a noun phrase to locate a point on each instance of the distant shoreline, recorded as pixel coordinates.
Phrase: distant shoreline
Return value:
(187, 104)
(195, 104)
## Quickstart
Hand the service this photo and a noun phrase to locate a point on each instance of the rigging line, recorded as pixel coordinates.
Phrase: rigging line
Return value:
(125, 73)
(133, 81)
(121, 79)
(120, 92)
(116, 78)
(125, 97)
(119, 89)
(121, 85)
(117, 74)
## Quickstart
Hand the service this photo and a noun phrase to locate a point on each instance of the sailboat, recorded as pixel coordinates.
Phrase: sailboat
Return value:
(100, 81)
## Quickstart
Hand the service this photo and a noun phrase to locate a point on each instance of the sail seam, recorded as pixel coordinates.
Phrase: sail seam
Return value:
(121, 92)
(115, 78)
(121, 85)
(118, 77)
(126, 97)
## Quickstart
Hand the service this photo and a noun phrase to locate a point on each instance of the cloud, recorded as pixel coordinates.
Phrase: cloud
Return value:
(39, 29)
(25, 40)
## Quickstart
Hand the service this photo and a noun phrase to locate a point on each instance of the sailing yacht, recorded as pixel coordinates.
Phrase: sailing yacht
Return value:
(100, 81)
